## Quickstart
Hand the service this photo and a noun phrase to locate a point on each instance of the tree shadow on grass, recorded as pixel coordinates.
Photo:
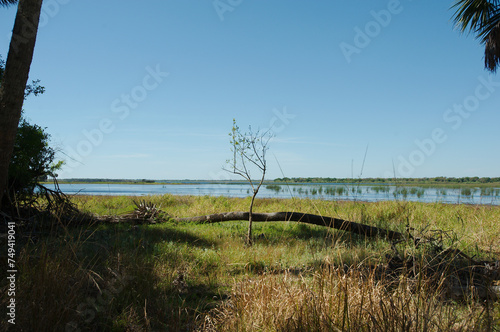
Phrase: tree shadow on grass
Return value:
(276, 232)
(151, 233)
(114, 277)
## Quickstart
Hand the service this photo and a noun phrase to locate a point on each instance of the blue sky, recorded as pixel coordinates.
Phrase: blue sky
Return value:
(150, 89)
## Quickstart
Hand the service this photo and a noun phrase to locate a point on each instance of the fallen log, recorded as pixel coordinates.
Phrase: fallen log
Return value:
(340, 224)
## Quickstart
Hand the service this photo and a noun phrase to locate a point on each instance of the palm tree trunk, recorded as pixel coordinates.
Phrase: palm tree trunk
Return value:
(17, 68)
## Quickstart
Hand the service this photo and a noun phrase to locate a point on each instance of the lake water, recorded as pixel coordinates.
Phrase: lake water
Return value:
(319, 191)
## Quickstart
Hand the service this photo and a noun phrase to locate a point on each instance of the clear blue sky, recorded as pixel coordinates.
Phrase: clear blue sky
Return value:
(149, 89)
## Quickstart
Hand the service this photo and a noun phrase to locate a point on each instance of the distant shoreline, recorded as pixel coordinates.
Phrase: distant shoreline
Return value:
(426, 182)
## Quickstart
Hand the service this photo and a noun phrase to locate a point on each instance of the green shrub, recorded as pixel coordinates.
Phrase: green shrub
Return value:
(32, 160)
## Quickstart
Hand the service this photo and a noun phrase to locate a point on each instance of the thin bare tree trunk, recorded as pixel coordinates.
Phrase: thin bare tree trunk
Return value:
(17, 68)
(250, 215)
(341, 224)
(250, 220)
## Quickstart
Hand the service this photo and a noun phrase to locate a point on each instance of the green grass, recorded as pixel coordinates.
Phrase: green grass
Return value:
(178, 276)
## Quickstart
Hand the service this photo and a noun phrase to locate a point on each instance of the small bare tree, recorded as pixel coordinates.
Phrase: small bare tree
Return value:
(249, 152)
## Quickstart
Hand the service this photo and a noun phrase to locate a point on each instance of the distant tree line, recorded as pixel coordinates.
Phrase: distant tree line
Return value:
(436, 180)
(95, 180)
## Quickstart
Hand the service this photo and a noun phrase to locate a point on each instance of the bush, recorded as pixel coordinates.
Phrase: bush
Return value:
(31, 161)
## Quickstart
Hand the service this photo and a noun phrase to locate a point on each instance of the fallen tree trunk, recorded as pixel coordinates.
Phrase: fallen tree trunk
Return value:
(340, 224)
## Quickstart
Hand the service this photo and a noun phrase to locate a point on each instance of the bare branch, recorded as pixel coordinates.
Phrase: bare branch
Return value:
(249, 149)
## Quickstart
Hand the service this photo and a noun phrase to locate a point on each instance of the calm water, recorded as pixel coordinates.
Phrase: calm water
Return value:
(322, 191)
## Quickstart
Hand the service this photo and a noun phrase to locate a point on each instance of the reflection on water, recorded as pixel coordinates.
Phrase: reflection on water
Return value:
(369, 193)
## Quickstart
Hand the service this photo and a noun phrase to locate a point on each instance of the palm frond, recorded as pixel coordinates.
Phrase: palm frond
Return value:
(489, 26)
(492, 49)
(146, 210)
(472, 15)
(482, 17)
(6, 3)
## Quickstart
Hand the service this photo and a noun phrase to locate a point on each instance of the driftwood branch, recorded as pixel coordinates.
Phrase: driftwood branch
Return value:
(341, 224)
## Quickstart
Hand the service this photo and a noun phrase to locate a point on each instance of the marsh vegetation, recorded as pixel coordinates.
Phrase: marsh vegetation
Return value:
(175, 276)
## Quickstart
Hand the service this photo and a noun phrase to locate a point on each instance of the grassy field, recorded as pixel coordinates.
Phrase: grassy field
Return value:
(296, 277)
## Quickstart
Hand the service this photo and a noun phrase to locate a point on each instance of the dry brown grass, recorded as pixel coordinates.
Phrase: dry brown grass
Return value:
(334, 300)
